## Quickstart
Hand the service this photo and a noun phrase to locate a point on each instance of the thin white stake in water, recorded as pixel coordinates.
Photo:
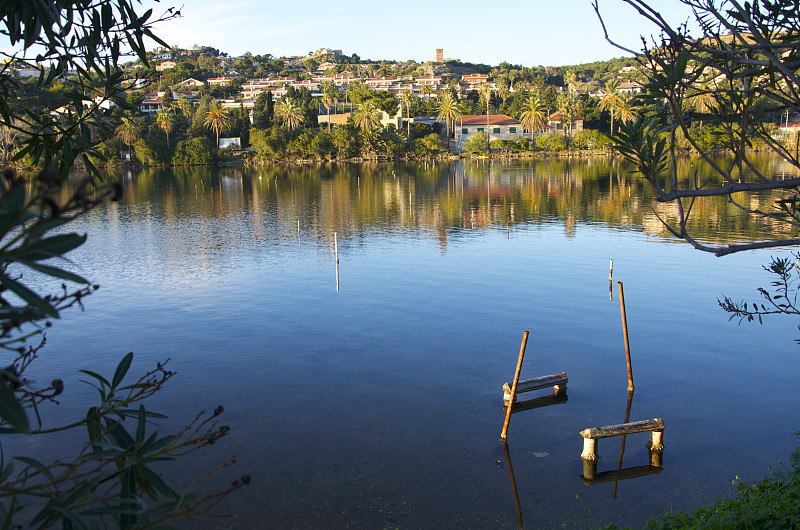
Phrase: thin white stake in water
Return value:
(336, 251)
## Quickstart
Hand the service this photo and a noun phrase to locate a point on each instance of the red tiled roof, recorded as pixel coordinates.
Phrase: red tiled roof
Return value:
(556, 116)
(494, 119)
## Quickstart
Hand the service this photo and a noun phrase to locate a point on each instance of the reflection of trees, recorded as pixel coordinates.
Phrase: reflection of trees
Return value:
(441, 201)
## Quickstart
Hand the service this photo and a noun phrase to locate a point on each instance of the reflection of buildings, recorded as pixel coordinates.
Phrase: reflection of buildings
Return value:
(432, 200)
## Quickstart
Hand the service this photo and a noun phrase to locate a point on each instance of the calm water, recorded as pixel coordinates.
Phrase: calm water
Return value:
(379, 405)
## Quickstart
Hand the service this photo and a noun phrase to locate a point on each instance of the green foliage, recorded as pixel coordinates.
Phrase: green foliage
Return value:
(346, 142)
(735, 83)
(68, 35)
(112, 478)
(270, 143)
(109, 151)
(111, 482)
(428, 145)
(476, 143)
(639, 143)
(551, 142)
(150, 151)
(194, 152)
(589, 139)
(785, 286)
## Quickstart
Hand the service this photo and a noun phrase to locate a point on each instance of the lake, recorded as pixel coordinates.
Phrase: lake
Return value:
(371, 396)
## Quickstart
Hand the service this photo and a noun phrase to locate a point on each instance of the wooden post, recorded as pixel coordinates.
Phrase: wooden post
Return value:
(514, 386)
(625, 334)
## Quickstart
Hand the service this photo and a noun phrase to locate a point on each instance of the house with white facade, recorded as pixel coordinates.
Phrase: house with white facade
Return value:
(166, 65)
(556, 125)
(497, 126)
(630, 87)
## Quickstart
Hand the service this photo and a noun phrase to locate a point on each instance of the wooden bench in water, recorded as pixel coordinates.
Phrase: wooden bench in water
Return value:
(557, 381)
(590, 436)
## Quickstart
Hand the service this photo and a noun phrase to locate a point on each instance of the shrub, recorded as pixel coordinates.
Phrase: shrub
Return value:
(476, 143)
(551, 142)
(589, 139)
(194, 152)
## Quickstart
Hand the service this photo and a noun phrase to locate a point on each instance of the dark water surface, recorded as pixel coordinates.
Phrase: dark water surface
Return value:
(380, 405)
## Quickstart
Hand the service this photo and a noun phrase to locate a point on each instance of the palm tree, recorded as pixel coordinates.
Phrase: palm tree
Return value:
(705, 100)
(164, 120)
(185, 106)
(290, 113)
(407, 95)
(448, 110)
(216, 119)
(625, 108)
(367, 115)
(612, 99)
(572, 80)
(534, 115)
(330, 94)
(128, 131)
(569, 107)
(486, 93)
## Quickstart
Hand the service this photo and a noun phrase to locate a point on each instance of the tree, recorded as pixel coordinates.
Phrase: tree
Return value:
(751, 52)
(128, 131)
(449, 111)
(407, 95)
(165, 119)
(289, 113)
(263, 110)
(486, 95)
(114, 481)
(330, 94)
(367, 116)
(216, 120)
(569, 107)
(611, 100)
(69, 35)
(534, 115)
(625, 108)
(167, 99)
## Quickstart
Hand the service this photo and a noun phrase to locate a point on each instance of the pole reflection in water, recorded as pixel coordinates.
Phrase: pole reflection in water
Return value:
(513, 480)
(622, 442)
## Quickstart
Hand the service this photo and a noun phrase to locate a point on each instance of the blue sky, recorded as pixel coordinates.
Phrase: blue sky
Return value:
(530, 33)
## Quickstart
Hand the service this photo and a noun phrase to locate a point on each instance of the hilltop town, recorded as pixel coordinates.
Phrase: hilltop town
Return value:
(328, 105)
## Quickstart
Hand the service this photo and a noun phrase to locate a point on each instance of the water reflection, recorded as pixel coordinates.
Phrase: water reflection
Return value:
(441, 201)
(229, 271)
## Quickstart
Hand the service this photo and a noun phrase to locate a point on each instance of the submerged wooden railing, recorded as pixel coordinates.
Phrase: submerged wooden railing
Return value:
(557, 381)
(590, 437)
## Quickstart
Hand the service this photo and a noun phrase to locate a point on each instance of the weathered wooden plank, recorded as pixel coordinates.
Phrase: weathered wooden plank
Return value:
(538, 382)
(656, 424)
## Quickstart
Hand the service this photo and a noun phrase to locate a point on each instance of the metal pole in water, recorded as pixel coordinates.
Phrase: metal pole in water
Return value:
(625, 334)
(336, 247)
(504, 433)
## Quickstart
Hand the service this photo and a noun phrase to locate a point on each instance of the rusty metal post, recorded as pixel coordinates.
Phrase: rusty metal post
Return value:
(625, 334)
(514, 386)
